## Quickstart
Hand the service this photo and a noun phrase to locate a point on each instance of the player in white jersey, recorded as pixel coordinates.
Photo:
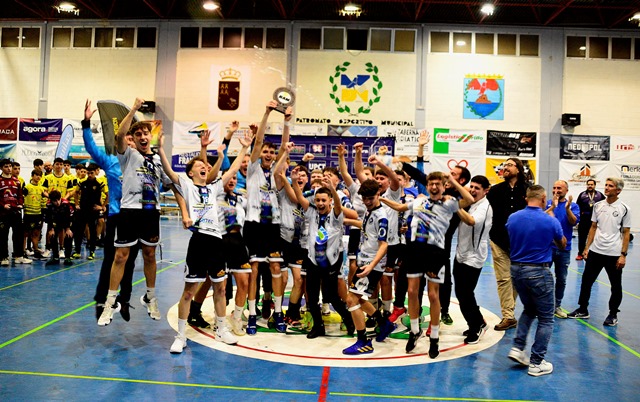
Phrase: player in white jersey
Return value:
(426, 252)
(139, 211)
(205, 253)
(262, 225)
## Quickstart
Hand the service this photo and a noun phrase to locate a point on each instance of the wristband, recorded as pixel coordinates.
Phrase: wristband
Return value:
(287, 124)
(624, 253)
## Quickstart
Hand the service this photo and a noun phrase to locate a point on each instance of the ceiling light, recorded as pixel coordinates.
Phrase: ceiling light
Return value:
(583, 48)
(351, 10)
(487, 9)
(210, 5)
(636, 17)
(461, 43)
(119, 40)
(67, 7)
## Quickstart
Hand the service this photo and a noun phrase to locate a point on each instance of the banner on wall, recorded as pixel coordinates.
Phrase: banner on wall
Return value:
(584, 147)
(324, 149)
(581, 171)
(458, 142)
(8, 151)
(495, 166)
(352, 131)
(229, 89)
(511, 143)
(180, 158)
(446, 164)
(309, 129)
(26, 152)
(40, 129)
(625, 148)
(630, 173)
(184, 139)
(483, 97)
(8, 129)
(79, 154)
(406, 139)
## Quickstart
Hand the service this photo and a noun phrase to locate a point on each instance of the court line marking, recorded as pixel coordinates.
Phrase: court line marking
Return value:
(152, 382)
(609, 337)
(46, 324)
(606, 284)
(49, 274)
(425, 398)
(324, 385)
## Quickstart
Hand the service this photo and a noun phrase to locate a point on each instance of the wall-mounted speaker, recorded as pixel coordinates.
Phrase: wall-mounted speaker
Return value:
(570, 119)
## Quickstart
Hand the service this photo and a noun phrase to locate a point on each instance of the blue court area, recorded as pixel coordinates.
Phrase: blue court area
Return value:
(52, 349)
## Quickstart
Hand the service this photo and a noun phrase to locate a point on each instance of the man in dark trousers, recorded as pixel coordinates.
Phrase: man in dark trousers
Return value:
(89, 205)
(531, 233)
(586, 200)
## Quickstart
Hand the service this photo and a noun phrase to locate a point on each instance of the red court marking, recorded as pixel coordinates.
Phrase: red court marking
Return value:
(324, 386)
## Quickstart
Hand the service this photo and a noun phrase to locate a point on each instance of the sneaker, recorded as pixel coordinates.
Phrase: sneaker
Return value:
(99, 309)
(316, 331)
(505, 324)
(326, 309)
(433, 347)
(61, 254)
(152, 307)
(577, 313)
(76, 256)
(266, 309)
(46, 253)
(92, 256)
(518, 356)
(413, 339)
(223, 334)
(38, 256)
(483, 327)
(359, 348)
(559, 312)
(371, 322)
(28, 252)
(446, 319)
(52, 261)
(178, 345)
(543, 368)
(473, 337)
(5, 262)
(68, 262)
(196, 320)
(252, 327)
(387, 328)
(23, 260)
(124, 309)
(397, 313)
(280, 325)
(579, 257)
(107, 314)
(611, 321)
(236, 325)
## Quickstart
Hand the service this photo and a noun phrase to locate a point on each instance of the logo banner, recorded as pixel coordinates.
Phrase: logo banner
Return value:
(625, 149)
(510, 143)
(8, 129)
(230, 89)
(483, 97)
(458, 142)
(406, 139)
(182, 137)
(26, 152)
(8, 151)
(445, 164)
(40, 129)
(578, 172)
(353, 131)
(585, 147)
(180, 158)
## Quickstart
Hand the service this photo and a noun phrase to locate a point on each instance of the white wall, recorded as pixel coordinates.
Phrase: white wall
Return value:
(19, 82)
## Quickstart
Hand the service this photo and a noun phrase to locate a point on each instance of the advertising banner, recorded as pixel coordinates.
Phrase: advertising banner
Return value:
(625, 149)
(475, 164)
(578, 172)
(510, 143)
(458, 142)
(406, 139)
(180, 158)
(182, 137)
(40, 129)
(8, 151)
(353, 131)
(8, 129)
(494, 167)
(585, 147)
(26, 152)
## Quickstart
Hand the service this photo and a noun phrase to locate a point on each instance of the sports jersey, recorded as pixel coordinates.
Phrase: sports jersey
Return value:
(34, 199)
(404, 218)
(392, 215)
(91, 192)
(231, 210)
(262, 197)
(430, 219)
(74, 186)
(356, 200)
(560, 213)
(202, 204)
(59, 217)
(103, 181)
(141, 177)
(325, 241)
(62, 183)
(77, 188)
(473, 242)
(375, 227)
(109, 164)
(611, 218)
(292, 218)
(10, 193)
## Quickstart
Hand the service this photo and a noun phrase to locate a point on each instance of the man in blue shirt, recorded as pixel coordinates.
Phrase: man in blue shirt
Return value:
(568, 214)
(531, 232)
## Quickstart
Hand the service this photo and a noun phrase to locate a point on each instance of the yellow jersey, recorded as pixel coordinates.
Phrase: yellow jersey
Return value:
(34, 199)
(63, 183)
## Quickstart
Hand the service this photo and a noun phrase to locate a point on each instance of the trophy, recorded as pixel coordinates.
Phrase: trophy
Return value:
(285, 97)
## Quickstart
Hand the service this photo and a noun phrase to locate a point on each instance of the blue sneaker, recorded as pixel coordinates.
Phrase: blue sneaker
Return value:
(252, 327)
(280, 324)
(359, 348)
(387, 328)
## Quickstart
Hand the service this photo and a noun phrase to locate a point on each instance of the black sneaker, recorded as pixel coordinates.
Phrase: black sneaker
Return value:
(413, 339)
(68, 262)
(196, 320)
(483, 327)
(266, 309)
(611, 321)
(433, 348)
(474, 336)
(316, 331)
(53, 261)
(577, 313)
(371, 322)
(446, 319)
(124, 309)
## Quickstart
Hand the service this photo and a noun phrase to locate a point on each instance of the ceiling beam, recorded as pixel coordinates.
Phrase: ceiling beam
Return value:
(634, 8)
(535, 11)
(38, 13)
(111, 8)
(559, 10)
(91, 7)
(277, 4)
(153, 8)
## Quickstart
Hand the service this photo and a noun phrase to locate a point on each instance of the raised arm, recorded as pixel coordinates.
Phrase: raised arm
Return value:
(125, 124)
(467, 198)
(395, 205)
(337, 205)
(304, 203)
(215, 169)
(257, 146)
(285, 131)
(235, 166)
(394, 183)
(205, 141)
(166, 165)
(288, 188)
(342, 163)
(571, 217)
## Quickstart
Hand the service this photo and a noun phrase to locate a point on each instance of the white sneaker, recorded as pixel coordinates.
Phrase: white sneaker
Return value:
(5, 262)
(46, 253)
(518, 356)
(236, 325)
(107, 314)
(559, 312)
(543, 368)
(326, 310)
(152, 307)
(23, 260)
(178, 345)
(28, 253)
(61, 254)
(224, 335)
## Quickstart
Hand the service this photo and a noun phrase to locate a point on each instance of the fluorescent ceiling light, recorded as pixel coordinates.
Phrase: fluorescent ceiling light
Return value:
(461, 43)
(636, 17)
(351, 7)
(487, 9)
(67, 7)
(210, 5)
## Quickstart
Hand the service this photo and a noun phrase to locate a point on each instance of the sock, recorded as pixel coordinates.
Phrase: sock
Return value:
(379, 318)
(196, 308)
(111, 297)
(151, 293)
(182, 327)
(252, 307)
(415, 325)
(277, 300)
(435, 331)
(220, 322)
(237, 312)
(362, 335)
(386, 305)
